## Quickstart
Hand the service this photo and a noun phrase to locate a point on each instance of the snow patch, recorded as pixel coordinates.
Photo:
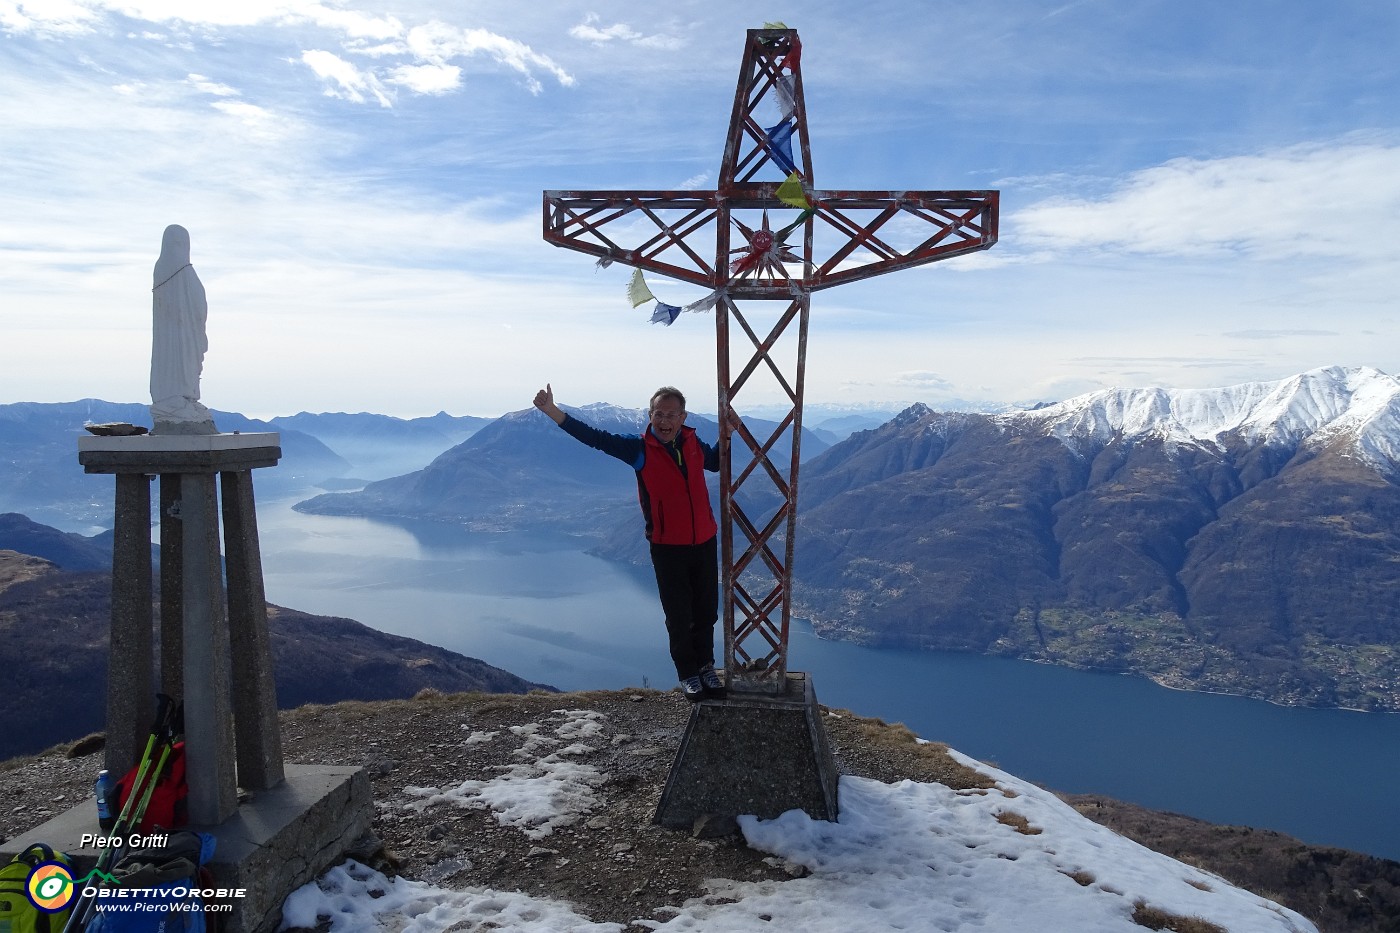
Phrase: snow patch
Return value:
(539, 795)
(352, 899)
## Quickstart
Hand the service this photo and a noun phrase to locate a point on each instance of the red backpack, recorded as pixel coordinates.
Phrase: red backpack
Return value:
(169, 804)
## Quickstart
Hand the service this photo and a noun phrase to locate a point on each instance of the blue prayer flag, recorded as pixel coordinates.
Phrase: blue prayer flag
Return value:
(665, 314)
(779, 146)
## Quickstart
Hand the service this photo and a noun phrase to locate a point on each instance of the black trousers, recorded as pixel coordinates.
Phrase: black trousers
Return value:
(687, 577)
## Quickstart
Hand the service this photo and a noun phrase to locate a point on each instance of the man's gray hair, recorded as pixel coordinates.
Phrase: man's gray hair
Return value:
(666, 392)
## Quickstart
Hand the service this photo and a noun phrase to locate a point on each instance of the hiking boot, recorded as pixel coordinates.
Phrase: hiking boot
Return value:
(712, 682)
(693, 689)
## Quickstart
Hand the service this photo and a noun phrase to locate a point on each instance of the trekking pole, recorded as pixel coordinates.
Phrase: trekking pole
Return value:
(134, 809)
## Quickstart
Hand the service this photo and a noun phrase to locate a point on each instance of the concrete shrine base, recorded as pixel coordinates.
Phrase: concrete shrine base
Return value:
(273, 844)
(754, 753)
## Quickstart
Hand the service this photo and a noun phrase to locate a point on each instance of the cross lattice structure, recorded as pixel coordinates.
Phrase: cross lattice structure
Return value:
(725, 241)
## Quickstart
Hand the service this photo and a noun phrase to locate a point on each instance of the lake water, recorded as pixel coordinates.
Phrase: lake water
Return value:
(537, 606)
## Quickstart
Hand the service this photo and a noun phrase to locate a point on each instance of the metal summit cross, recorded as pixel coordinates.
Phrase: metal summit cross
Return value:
(724, 241)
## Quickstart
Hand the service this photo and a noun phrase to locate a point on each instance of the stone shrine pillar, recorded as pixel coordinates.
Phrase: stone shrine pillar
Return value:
(209, 644)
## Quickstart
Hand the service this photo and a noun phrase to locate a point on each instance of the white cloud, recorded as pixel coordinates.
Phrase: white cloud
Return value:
(439, 42)
(1261, 334)
(344, 79)
(203, 84)
(1330, 200)
(429, 47)
(427, 79)
(46, 17)
(590, 31)
(922, 379)
(261, 123)
(354, 24)
(247, 13)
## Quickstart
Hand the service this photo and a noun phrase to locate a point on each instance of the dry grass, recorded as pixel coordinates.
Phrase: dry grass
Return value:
(891, 752)
(1156, 919)
(1080, 877)
(1018, 822)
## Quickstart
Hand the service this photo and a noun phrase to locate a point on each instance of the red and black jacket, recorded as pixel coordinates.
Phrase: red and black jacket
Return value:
(670, 479)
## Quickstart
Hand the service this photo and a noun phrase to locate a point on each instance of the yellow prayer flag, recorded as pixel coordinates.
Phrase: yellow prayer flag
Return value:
(637, 291)
(790, 192)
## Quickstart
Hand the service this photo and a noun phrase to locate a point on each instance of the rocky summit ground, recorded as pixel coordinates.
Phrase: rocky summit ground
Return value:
(611, 862)
(614, 863)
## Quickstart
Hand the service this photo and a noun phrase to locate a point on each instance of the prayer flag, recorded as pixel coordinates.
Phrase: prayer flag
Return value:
(790, 192)
(779, 145)
(781, 235)
(787, 97)
(793, 57)
(746, 262)
(704, 304)
(637, 291)
(664, 314)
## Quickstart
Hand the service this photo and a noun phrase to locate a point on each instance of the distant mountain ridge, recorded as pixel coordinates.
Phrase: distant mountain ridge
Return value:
(43, 480)
(72, 552)
(522, 470)
(1245, 539)
(381, 445)
(58, 622)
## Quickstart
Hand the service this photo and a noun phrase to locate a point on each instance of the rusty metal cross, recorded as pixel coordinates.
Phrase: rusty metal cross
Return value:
(690, 236)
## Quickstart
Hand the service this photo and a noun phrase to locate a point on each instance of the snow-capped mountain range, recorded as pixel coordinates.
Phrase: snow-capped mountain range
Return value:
(1360, 405)
(1244, 539)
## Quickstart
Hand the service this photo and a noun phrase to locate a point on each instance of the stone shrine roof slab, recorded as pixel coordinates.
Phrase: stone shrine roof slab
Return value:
(179, 453)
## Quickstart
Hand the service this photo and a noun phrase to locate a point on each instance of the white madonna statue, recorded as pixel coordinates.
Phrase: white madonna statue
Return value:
(178, 341)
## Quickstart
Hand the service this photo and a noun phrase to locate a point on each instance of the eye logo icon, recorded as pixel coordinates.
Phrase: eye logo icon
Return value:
(50, 886)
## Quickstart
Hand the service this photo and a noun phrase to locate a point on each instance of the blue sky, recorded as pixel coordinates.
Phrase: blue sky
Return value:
(1193, 194)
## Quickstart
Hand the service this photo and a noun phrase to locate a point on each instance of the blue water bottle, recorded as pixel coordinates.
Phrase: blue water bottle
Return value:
(106, 796)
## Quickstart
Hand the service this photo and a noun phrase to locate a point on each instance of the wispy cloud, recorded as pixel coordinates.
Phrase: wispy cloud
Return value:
(344, 79)
(427, 79)
(420, 57)
(1334, 200)
(592, 30)
(439, 43)
(206, 86)
(1278, 334)
(59, 18)
(923, 380)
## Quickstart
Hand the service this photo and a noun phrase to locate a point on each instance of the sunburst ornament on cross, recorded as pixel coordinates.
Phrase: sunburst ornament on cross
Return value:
(691, 236)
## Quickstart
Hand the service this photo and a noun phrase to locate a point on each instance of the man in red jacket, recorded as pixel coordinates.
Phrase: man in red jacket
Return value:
(670, 462)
